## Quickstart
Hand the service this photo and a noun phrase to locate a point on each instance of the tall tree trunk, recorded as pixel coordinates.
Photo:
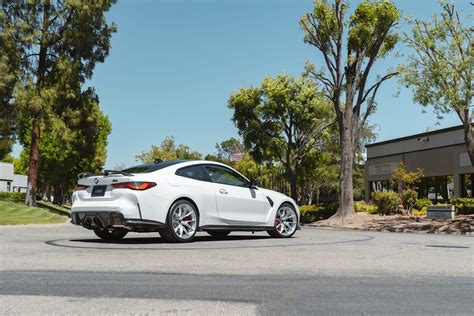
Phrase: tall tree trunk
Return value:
(34, 161)
(346, 187)
(36, 126)
(465, 117)
(345, 179)
(292, 180)
(469, 138)
(56, 195)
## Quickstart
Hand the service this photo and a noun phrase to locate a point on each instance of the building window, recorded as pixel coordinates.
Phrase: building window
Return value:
(9, 186)
(383, 186)
(437, 189)
(467, 185)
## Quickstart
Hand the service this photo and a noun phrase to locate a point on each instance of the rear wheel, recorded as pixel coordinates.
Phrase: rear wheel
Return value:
(182, 222)
(111, 235)
(286, 222)
(218, 233)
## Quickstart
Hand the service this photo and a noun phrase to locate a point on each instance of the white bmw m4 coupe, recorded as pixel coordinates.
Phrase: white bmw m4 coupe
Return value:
(177, 198)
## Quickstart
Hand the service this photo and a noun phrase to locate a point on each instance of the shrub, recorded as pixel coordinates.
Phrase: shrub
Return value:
(386, 202)
(421, 203)
(361, 206)
(312, 213)
(463, 206)
(421, 212)
(409, 198)
(13, 196)
(307, 208)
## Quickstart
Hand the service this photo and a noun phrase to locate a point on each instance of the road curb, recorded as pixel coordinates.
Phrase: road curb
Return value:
(395, 230)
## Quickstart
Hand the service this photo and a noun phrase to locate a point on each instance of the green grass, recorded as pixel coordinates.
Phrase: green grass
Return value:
(53, 207)
(12, 213)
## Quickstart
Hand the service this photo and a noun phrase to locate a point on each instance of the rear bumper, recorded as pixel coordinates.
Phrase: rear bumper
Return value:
(115, 219)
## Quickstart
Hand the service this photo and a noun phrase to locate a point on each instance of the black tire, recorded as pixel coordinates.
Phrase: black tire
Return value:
(219, 234)
(113, 235)
(274, 233)
(168, 233)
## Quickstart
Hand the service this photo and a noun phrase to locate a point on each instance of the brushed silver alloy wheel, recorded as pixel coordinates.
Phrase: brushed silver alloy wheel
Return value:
(184, 221)
(286, 221)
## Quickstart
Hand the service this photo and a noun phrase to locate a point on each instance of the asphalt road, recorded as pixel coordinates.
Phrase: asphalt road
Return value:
(58, 269)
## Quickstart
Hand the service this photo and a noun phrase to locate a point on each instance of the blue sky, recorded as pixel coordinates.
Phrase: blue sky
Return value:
(174, 63)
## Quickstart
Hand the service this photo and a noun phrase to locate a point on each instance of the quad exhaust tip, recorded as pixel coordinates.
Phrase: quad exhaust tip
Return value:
(91, 222)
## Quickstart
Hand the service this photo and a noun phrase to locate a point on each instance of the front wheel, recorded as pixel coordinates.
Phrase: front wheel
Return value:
(286, 222)
(182, 222)
(113, 235)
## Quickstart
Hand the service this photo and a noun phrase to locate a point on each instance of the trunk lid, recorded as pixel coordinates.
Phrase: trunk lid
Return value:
(105, 179)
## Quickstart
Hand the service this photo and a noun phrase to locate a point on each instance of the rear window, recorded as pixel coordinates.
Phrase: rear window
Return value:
(150, 167)
(196, 172)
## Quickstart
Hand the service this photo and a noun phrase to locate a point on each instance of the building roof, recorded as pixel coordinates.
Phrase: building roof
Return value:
(438, 131)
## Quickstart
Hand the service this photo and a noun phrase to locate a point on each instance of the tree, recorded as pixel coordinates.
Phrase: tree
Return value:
(348, 65)
(282, 120)
(9, 68)
(229, 147)
(406, 178)
(168, 150)
(248, 167)
(440, 71)
(318, 172)
(59, 40)
(211, 157)
(118, 167)
(72, 142)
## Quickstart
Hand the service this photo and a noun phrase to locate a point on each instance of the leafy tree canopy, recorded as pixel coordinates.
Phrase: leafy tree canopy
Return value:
(350, 47)
(440, 69)
(71, 143)
(58, 44)
(168, 150)
(402, 175)
(281, 121)
(229, 147)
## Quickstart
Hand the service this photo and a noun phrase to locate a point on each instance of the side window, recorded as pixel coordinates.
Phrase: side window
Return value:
(225, 176)
(194, 172)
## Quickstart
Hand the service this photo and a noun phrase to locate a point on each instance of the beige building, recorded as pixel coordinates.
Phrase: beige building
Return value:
(441, 154)
(9, 181)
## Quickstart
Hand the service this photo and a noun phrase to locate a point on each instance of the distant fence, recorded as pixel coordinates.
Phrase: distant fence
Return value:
(276, 181)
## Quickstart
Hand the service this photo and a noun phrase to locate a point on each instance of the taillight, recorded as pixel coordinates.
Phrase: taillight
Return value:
(80, 187)
(137, 186)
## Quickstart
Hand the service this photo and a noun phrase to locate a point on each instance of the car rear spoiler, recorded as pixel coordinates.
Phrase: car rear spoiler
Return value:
(111, 172)
(87, 175)
(106, 173)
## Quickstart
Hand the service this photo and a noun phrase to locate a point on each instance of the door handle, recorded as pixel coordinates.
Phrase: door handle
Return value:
(223, 191)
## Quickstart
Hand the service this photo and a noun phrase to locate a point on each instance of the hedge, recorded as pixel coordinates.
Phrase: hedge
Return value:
(13, 196)
(421, 203)
(313, 213)
(464, 206)
(361, 206)
(387, 202)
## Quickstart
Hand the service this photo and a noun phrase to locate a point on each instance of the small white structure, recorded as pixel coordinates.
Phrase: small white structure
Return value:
(236, 157)
(440, 212)
(9, 181)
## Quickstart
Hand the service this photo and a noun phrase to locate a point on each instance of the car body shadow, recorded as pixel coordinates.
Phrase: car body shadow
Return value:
(159, 240)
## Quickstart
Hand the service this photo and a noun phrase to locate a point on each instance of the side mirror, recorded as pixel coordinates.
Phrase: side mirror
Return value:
(253, 184)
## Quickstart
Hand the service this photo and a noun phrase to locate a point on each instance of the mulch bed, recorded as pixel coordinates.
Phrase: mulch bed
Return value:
(460, 225)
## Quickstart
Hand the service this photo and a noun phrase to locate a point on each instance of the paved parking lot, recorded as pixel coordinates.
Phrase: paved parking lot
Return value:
(66, 269)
